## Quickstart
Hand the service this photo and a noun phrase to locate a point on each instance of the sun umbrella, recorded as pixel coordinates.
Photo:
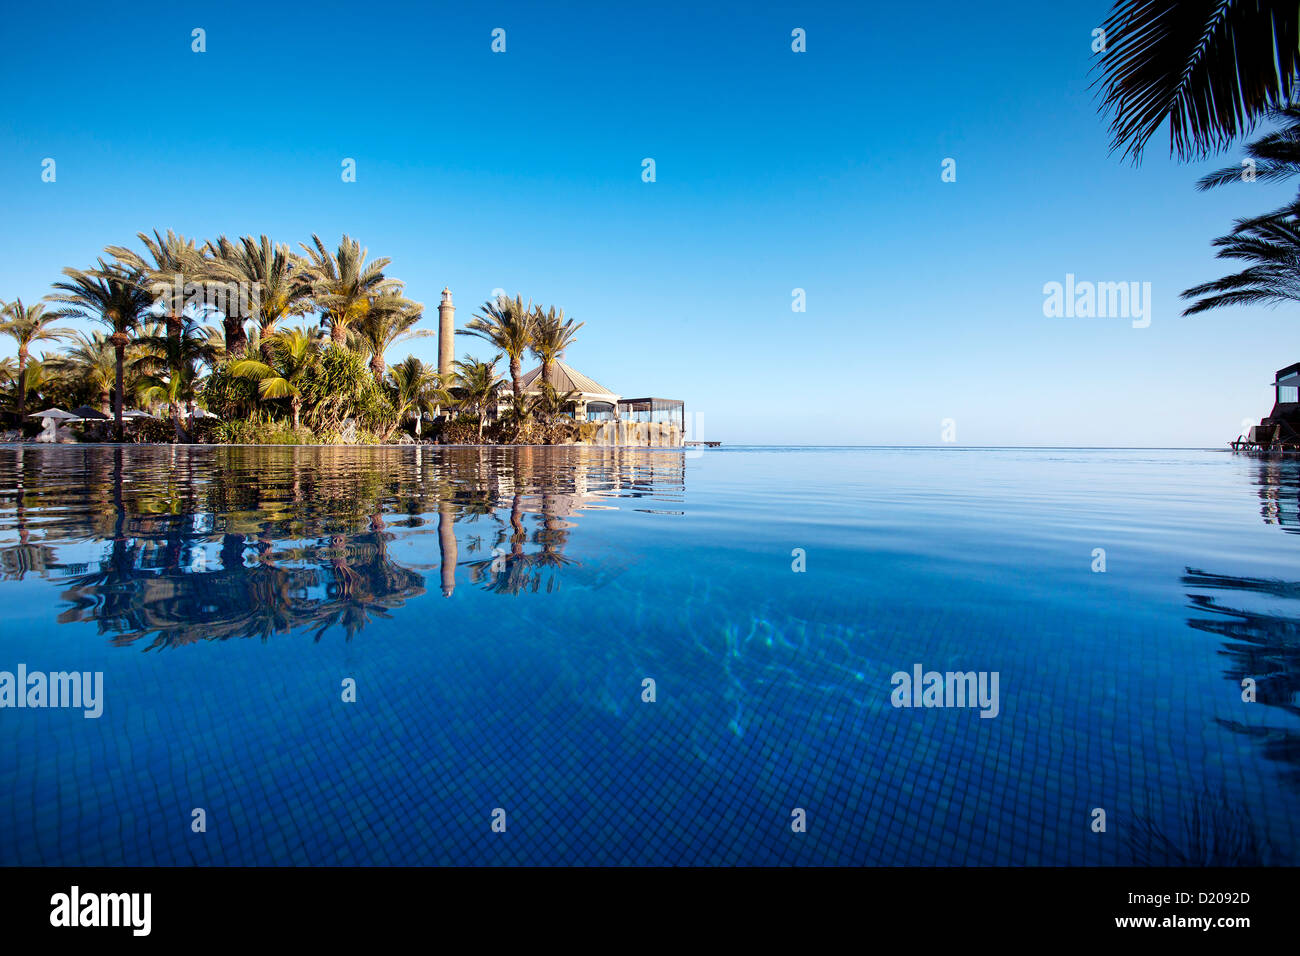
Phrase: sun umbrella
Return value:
(204, 413)
(57, 414)
(86, 413)
(135, 413)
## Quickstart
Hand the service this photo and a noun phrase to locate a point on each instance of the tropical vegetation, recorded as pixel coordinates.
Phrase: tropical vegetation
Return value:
(248, 340)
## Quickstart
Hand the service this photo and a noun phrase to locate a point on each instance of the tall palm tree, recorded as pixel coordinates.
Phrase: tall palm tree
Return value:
(417, 388)
(1272, 244)
(115, 296)
(171, 268)
(293, 355)
(169, 368)
(479, 384)
(1206, 66)
(281, 277)
(551, 336)
(343, 283)
(90, 359)
(388, 318)
(27, 325)
(508, 326)
(223, 259)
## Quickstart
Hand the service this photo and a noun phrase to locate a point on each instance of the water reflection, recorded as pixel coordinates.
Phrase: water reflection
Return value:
(1278, 480)
(169, 546)
(1260, 624)
(1258, 643)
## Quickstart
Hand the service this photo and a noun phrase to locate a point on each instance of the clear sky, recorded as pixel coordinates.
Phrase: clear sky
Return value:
(775, 170)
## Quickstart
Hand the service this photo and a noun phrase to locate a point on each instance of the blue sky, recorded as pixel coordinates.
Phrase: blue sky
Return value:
(775, 170)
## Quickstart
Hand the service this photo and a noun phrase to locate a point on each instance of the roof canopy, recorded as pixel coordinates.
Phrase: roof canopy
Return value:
(1286, 376)
(565, 378)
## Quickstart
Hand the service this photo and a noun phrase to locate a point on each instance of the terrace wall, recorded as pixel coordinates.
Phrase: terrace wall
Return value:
(643, 434)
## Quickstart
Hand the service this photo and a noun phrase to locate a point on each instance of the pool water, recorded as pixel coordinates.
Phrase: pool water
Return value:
(604, 656)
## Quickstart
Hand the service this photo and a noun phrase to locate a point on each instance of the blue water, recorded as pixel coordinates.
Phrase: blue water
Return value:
(500, 609)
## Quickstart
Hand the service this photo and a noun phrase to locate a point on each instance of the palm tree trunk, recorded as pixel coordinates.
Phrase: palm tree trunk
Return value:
(267, 346)
(176, 421)
(106, 401)
(548, 369)
(236, 337)
(296, 405)
(22, 383)
(377, 366)
(119, 386)
(338, 333)
(515, 367)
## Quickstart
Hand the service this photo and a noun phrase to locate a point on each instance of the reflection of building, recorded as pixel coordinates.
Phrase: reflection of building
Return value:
(1279, 493)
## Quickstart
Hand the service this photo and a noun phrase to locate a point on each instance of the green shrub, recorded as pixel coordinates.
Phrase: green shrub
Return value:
(245, 432)
(160, 430)
(228, 396)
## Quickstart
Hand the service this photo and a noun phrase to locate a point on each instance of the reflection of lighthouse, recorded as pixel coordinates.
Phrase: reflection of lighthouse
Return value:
(447, 547)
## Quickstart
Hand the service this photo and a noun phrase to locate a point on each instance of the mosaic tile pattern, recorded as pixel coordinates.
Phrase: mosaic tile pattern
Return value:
(575, 575)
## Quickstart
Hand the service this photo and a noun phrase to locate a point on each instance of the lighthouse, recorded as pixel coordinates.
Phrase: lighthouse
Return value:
(446, 333)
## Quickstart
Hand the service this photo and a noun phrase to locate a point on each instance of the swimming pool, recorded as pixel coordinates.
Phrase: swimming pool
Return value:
(617, 656)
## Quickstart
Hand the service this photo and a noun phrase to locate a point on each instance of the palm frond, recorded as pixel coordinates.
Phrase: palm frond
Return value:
(1207, 67)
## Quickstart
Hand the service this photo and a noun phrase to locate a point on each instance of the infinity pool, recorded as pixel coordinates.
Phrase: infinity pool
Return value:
(650, 657)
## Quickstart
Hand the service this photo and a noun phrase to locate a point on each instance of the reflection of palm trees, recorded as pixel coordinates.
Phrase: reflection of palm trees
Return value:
(1214, 831)
(133, 596)
(1260, 645)
(209, 544)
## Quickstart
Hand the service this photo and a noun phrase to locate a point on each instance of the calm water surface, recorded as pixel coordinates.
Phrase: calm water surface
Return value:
(499, 610)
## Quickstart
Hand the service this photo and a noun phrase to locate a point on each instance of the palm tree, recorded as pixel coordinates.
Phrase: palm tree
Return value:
(479, 384)
(223, 259)
(508, 326)
(169, 368)
(549, 404)
(1272, 244)
(388, 318)
(518, 413)
(27, 325)
(343, 284)
(551, 336)
(90, 359)
(1207, 66)
(293, 354)
(417, 388)
(171, 268)
(33, 377)
(281, 277)
(115, 296)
